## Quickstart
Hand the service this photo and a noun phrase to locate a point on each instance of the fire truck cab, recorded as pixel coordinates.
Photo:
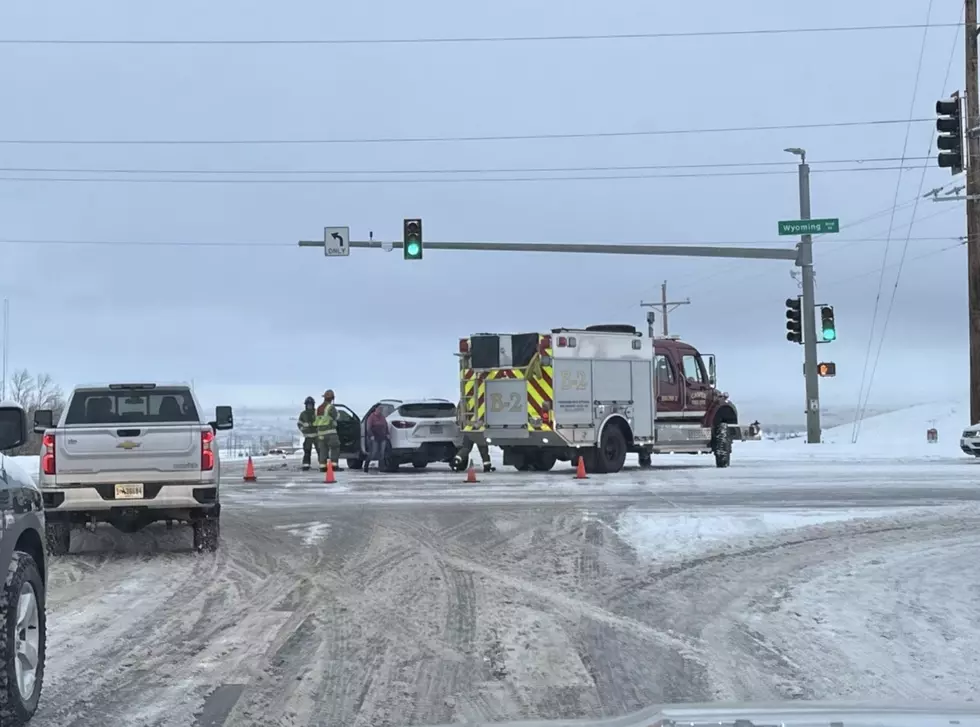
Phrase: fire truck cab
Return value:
(600, 393)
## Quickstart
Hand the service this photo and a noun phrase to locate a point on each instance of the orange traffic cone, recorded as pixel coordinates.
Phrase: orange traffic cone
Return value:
(580, 469)
(329, 478)
(249, 470)
(471, 475)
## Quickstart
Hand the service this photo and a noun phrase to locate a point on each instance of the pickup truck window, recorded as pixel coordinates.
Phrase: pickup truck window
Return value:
(121, 406)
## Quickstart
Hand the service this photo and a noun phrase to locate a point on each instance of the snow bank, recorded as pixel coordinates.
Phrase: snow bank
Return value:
(660, 535)
(898, 434)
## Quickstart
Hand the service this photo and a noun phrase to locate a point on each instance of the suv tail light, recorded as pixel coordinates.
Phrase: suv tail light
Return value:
(47, 459)
(207, 454)
(401, 424)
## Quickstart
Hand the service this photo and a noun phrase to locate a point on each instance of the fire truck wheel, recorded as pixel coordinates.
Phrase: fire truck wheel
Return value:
(611, 454)
(722, 446)
(544, 461)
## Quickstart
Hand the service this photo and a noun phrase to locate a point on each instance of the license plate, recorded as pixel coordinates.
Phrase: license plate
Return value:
(435, 429)
(130, 491)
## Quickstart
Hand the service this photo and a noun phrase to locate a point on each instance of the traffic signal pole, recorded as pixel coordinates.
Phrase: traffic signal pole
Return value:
(810, 371)
(972, 165)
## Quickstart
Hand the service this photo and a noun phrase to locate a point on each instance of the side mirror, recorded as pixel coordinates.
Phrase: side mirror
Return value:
(223, 418)
(13, 427)
(43, 419)
(712, 373)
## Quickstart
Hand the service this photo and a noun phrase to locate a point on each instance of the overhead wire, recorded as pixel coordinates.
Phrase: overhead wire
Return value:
(724, 268)
(657, 35)
(624, 133)
(862, 407)
(460, 170)
(432, 180)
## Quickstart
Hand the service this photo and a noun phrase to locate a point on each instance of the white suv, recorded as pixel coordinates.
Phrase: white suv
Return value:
(420, 431)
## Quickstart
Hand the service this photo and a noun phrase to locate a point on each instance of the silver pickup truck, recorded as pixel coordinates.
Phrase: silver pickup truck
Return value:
(130, 455)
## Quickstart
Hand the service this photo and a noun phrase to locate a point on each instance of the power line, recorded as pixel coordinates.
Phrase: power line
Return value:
(436, 180)
(862, 408)
(460, 139)
(472, 170)
(473, 39)
(726, 270)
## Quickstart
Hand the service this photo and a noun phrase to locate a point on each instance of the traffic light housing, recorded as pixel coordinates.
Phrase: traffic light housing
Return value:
(412, 239)
(828, 328)
(827, 368)
(794, 320)
(950, 140)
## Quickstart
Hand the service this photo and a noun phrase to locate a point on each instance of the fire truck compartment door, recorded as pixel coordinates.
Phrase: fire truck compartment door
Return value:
(506, 401)
(573, 392)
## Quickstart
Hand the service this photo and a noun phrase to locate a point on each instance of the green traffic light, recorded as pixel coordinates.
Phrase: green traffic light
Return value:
(829, 334)
(412, 249)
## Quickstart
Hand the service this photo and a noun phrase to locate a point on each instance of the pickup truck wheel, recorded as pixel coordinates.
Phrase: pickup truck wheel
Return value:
(22, 640)
(722, 445)
(206, 533)
(58, 536)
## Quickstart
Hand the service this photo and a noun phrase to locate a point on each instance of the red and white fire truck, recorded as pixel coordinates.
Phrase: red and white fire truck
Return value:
(598, 392)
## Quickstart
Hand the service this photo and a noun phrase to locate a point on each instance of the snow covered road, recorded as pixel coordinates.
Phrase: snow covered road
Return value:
(414, 599)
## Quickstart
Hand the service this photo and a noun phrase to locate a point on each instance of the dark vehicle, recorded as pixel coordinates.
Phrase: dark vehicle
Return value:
(23, 567)
(349, 434)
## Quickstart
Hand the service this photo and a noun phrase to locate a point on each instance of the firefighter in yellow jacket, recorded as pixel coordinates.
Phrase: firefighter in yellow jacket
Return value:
(326, 430)
(462, 458)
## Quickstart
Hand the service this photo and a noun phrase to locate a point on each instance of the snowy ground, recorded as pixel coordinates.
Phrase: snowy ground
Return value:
(847, 572)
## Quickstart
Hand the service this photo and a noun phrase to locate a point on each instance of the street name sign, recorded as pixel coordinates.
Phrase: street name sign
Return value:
(809, 227)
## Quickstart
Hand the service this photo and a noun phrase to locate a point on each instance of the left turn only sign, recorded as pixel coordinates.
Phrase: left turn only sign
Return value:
(336, 241)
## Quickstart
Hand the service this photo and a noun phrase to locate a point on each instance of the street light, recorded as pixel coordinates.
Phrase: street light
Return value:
(801, 153)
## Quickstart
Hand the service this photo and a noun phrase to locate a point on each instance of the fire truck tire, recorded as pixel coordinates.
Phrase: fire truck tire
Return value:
(544, 461)
(722, 445)
(610, 455)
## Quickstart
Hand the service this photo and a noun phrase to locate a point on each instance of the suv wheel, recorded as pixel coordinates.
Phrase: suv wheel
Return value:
(206, 534)
(58, 536)
(22, 640)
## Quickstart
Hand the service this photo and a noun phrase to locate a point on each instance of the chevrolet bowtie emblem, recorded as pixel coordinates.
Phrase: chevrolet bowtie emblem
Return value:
(127, 445)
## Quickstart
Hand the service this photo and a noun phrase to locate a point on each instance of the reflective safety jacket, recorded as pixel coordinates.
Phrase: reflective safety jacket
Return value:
(326, 420)
(307, 422)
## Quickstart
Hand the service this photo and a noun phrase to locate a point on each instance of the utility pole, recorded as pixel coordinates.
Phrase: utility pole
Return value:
(973, 202)
(665, 306)
(809, 301)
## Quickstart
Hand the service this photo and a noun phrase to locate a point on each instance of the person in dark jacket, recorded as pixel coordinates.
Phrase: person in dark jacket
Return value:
(307, 427)
(377, 435)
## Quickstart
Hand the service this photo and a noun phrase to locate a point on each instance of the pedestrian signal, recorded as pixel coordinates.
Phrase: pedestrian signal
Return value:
(828, 368)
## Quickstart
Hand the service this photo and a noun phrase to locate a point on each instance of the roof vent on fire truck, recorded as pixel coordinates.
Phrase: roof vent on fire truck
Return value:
(612, 328)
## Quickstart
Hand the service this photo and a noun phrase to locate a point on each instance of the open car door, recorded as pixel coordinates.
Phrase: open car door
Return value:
(349, 433)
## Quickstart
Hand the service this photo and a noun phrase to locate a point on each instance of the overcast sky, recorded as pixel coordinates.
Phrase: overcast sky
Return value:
(253, 319)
